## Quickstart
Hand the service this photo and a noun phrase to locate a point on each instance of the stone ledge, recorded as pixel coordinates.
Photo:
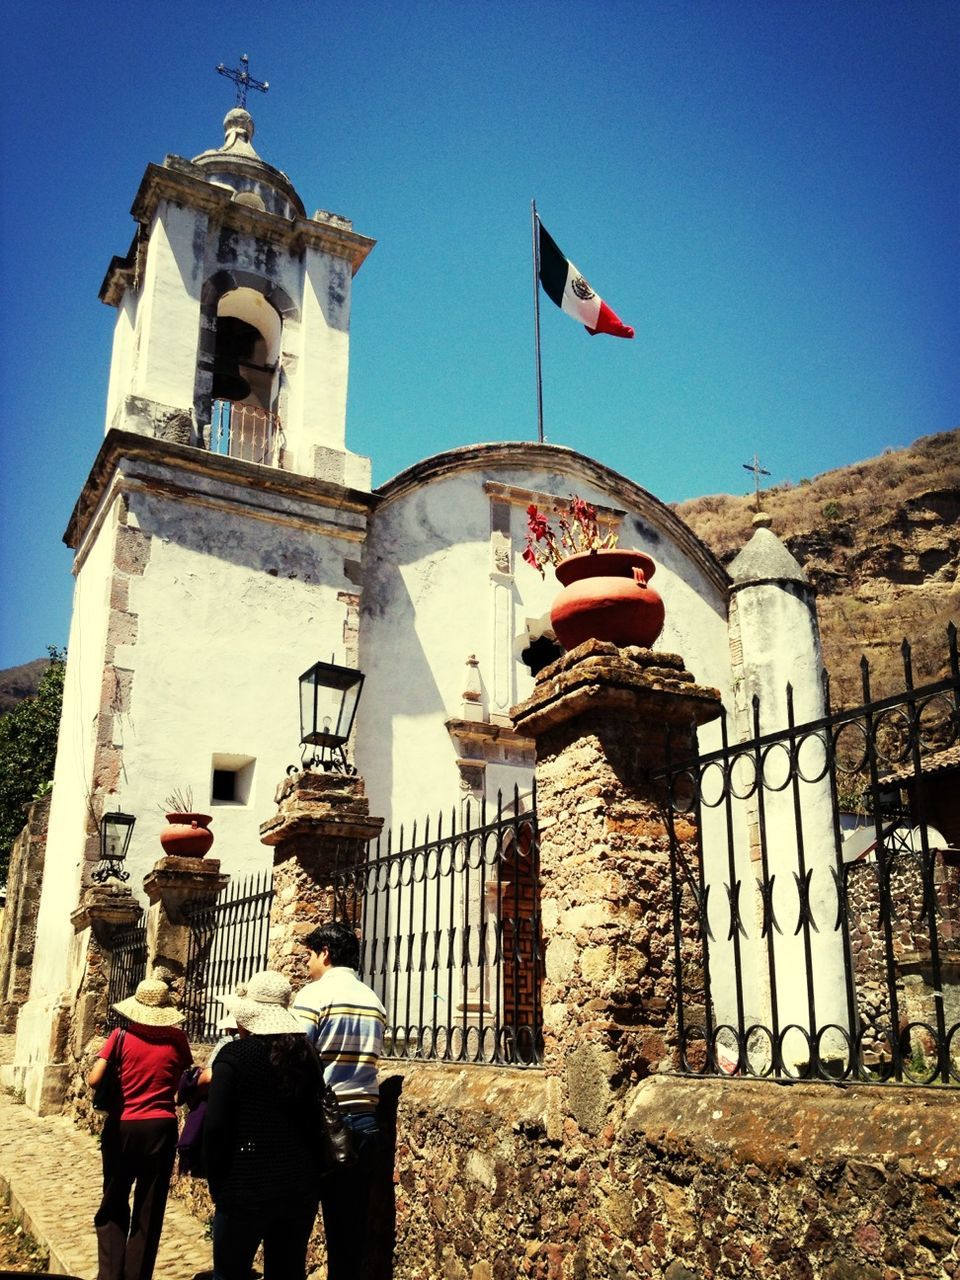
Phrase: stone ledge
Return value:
(176, 881)
(771, 1125)
(320, 805)
(598, 676)
(105, 909)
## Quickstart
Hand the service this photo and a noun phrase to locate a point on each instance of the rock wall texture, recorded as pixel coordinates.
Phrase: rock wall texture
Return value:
(19, 927)
(687, 1179)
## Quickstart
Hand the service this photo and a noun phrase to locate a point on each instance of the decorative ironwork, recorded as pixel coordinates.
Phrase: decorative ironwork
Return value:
(452, 936)
(242, 79)
(128, 966)
(868, 986)
(229, 940)
(247, 432)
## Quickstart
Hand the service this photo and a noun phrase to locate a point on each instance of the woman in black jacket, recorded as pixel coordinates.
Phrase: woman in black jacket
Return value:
(261, 1157)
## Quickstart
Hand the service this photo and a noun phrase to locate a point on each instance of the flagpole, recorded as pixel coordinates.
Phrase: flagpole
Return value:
(536, 317)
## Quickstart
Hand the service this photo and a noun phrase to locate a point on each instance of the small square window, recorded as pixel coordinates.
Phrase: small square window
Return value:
(224, 785)
(231, 780)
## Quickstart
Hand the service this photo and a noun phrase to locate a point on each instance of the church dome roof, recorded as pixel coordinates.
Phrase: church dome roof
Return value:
(236, 164)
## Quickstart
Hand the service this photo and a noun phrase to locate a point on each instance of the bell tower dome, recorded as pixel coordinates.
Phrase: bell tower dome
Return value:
(233, 324)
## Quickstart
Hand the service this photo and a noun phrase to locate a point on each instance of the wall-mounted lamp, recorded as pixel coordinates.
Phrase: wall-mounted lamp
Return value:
(115, 832)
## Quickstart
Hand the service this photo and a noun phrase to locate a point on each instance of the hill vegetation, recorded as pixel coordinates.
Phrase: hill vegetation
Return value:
(17, 683)
(880, 542)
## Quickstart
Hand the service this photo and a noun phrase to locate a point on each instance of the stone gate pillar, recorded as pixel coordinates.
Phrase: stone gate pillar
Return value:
(173, 885)
(319, 835)
(601, 718)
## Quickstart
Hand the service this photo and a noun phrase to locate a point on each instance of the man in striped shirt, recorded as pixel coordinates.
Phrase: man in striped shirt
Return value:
(344, 1019)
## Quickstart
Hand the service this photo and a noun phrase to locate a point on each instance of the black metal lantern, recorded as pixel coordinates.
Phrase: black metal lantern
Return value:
(328, 704)
(115, 831)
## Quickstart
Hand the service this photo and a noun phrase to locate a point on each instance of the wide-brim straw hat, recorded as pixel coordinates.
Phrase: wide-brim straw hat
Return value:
(264, 1009)
(150, 1005)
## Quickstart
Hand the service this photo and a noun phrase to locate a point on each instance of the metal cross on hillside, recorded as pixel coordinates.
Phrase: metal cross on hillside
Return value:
(758, 471)
(243, 80)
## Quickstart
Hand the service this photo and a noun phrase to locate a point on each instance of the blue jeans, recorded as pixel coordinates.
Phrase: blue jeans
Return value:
(345, 1199)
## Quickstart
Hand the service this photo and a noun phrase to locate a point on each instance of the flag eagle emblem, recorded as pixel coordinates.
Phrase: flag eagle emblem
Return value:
(564, 285)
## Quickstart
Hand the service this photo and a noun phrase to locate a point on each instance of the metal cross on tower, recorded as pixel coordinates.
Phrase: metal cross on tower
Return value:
(243, 80)
(758, 471)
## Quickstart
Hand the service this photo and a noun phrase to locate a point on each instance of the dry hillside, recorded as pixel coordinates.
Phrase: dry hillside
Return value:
(880, 541)
(17, 683)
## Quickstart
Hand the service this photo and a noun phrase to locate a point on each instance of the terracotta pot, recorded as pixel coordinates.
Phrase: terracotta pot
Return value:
(187, 835)
(605, 597)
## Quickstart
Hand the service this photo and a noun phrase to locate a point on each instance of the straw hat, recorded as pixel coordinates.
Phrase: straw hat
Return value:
(150, 1005)
(264, 1011)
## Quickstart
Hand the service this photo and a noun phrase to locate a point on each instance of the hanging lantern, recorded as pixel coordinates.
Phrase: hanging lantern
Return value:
(115, 831)
(329, 695)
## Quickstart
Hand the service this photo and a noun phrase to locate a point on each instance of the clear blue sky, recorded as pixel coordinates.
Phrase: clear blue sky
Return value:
(767, 190)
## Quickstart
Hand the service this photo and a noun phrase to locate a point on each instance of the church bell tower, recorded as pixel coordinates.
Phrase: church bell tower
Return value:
(233, 314)
(217, 543)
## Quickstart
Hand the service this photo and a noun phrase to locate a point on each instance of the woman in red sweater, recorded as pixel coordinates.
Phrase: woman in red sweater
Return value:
(139, 1139)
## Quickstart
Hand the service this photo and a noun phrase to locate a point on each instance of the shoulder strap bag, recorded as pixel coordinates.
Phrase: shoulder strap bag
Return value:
(335, 1138)
(107, 1095)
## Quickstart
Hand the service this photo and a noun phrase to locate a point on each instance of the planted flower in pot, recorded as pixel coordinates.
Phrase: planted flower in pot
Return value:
(605, 594)
(187, 833)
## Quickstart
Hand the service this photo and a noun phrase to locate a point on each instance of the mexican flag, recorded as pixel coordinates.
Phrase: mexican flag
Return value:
(564, 285)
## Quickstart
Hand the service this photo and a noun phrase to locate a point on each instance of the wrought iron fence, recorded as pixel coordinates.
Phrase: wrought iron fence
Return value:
(128, 966)
(804, 950)
(451, 936)
(246, 431)
(229, 940)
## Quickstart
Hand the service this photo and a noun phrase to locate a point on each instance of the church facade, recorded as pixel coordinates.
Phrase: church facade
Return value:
(227, 539)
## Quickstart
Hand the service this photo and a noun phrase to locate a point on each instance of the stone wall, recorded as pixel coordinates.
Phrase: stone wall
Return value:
(688, 1178)
(19, 931)
(911, 951)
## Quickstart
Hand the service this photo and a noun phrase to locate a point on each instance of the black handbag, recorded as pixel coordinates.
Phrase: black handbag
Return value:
(337, 1147)
(107, 1095)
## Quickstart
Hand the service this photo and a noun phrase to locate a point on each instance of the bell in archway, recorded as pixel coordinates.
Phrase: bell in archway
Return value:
(235, 344)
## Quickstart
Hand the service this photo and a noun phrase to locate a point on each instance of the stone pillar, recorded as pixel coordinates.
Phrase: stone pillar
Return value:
(319, 834)
(172, 885)
(775, 641)
(601, 718)
(19, 929)
(104, 911)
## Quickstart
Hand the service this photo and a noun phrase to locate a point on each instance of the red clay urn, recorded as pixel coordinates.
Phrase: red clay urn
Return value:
(605, 597)
(187, 835)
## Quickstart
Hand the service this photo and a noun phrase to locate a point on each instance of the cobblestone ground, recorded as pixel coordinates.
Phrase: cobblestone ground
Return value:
(50, 1172)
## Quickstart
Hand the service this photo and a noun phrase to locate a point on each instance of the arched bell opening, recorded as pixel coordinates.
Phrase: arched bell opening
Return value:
(246, 378)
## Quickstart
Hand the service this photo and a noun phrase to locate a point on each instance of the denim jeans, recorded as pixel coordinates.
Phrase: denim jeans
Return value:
(345, 1199)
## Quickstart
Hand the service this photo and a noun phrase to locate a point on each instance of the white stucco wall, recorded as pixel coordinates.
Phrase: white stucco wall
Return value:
(231, 608)
(123, 357)
(55, 950)
(775, 623)
(169, 320)
(433, 595)
(318, 382)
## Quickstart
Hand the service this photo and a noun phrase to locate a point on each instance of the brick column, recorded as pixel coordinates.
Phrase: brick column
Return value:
(319, 833)
(171, 886)
(601, 717)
